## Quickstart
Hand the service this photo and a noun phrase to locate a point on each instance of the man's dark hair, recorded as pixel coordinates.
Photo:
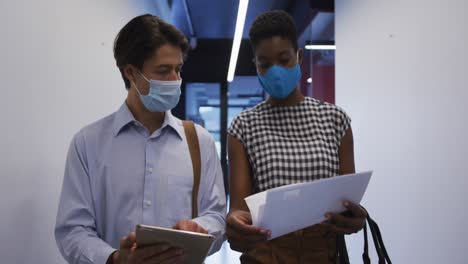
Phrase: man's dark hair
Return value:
(271, 24)
(139, 38)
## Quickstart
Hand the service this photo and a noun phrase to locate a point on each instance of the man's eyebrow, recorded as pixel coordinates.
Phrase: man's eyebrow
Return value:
(169, 65)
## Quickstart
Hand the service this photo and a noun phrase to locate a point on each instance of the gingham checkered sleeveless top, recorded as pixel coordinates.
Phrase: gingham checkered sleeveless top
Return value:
(292, 144)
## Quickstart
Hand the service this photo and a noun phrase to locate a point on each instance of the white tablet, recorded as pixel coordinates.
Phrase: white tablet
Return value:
(195, 245)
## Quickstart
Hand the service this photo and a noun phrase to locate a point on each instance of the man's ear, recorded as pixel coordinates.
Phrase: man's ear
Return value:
(130, 72)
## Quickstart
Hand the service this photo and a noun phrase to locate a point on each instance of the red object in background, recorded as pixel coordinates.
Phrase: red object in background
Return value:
(323, 83)
(305, 70)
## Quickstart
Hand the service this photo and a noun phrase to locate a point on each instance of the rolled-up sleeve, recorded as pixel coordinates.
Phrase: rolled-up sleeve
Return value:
(75, 229)
(212, 196)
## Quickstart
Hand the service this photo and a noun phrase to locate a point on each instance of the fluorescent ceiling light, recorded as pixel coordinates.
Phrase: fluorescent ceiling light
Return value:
(241, 13)
(320, 47)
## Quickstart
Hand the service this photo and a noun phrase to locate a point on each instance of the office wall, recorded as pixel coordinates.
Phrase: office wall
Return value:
(58, 74)
(401, 74)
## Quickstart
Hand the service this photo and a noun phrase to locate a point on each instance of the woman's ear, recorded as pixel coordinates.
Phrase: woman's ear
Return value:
(300, 55)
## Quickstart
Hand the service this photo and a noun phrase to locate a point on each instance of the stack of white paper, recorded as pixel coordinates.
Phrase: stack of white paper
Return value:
(293, 207)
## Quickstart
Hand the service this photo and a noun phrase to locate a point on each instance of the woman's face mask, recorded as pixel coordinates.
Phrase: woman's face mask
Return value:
(279, 81)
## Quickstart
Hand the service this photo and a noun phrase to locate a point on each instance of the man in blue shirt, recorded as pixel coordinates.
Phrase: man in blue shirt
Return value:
(134, 166)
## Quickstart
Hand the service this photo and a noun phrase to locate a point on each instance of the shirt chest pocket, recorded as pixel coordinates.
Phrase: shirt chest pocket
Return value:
(179, 191)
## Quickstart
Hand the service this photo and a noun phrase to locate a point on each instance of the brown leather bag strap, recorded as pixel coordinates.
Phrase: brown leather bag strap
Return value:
(194, 148)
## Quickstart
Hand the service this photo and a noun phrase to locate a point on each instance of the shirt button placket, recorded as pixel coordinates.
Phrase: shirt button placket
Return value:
(147, 183)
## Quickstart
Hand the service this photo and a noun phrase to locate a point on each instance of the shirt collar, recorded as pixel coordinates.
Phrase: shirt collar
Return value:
(124, 116)
(175, 123)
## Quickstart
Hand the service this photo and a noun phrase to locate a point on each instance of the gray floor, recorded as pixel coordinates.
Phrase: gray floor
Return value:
(224, 256)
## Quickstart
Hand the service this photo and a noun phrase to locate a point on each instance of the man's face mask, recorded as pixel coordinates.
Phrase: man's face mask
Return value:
(162, 96)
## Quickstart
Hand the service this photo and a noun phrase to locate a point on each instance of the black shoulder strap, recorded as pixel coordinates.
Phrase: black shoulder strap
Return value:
(378, 243)
(365, 255)
(342, 250)
(383, 254)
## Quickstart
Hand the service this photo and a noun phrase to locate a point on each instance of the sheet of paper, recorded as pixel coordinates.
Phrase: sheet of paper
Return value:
(292, 207)
(256, 204)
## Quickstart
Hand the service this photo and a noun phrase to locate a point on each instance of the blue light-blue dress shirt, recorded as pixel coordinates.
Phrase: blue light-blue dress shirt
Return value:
(118, 176)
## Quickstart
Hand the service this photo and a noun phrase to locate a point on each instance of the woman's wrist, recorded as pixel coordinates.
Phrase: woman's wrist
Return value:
(113, 258)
